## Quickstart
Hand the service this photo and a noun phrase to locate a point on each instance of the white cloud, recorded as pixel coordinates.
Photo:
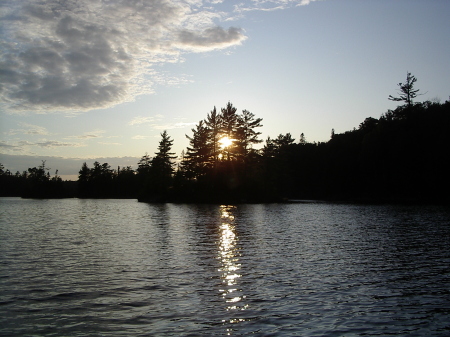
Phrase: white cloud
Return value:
(7, 146)
(306, 2)
(91, 134)
(29, 129)
(154, 123)
(140, 137)
(110, 143)
(54, 143)
(87, 54)
(145, 120)
(79, 55)
(173, 126)
(269, 5)
(214, 37)
(25, 146)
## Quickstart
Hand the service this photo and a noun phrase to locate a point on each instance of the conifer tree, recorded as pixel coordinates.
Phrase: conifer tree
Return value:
(199, 153)
(246, 134)
(162, 167)
(163, 161)
(213, 122)
(144, 165)
(229, 129)
(407, 91)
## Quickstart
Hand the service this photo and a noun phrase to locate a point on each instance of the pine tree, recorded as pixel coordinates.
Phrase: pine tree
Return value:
(199, 155)
(164, 148)
(213, 122)
(162, 166)
(246, 134)
(229, 130)
(144, 165)
(407, 92)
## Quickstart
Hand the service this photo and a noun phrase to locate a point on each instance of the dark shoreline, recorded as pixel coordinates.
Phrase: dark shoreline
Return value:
(237, 201)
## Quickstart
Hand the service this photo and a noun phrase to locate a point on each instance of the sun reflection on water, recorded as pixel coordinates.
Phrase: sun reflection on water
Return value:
(228, 254)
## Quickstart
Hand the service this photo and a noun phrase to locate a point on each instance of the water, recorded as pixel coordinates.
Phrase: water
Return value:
(122, 268)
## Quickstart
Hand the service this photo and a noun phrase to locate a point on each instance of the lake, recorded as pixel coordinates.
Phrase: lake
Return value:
(76, 267)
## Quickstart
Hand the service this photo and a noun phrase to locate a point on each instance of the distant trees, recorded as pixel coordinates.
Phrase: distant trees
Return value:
(96, 182)
(151, 180)
(397, 157)
(101, 181)
(36, 182)
(11, 184)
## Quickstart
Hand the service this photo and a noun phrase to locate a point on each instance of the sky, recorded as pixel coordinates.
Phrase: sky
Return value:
(88, 80)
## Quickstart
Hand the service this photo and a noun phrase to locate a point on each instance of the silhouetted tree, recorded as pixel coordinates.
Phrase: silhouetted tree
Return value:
(369, 124)
(229, 129)
(302, 139)
(246, 135)
(278, 172)
(406, 91)
(38, 183)
(213, 123)
(84, 176)
(200, 155)
(164, 156)
(126, 183)
(144, 168)
(161, 171)
(10, 185)
(284, 140)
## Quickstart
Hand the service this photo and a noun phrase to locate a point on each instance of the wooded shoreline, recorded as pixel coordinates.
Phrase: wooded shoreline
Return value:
(398, 158)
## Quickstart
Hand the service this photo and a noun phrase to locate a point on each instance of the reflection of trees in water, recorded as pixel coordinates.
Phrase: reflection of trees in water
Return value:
(228, 254)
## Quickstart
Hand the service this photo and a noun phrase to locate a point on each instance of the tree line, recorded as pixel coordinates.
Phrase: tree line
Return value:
(397, 157)
(36, 182)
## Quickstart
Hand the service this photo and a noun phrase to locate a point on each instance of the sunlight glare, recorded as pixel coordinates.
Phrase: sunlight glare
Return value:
(225, 142)
(229, 255)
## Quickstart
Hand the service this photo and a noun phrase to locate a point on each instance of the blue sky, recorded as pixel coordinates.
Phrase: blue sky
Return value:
(92, 80)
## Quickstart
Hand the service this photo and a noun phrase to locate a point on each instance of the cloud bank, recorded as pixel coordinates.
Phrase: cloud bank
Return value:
(79, 55)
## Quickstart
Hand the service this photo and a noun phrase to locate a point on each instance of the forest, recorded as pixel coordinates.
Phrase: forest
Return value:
(399, 157)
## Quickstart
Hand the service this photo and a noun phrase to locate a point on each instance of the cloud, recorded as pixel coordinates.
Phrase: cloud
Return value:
(269, 5)
(110, 143)
(139, 120)
(88, 136)
(140, 137)
(29, 129)
(215, 37)
(173, 126)
(152, 121)
(54, 143)
(89, 54)
(14, 147)
(72, 56)
(6, 146)
(306, 2)
(91, 134)
(24, 146)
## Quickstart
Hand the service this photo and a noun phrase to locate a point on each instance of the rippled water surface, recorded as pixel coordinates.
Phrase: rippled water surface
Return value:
(122, 268)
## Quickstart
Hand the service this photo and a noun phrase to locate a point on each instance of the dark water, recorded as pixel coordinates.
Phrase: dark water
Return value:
(122, 268)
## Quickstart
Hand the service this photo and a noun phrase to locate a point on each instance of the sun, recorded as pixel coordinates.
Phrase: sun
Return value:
(225, 142)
